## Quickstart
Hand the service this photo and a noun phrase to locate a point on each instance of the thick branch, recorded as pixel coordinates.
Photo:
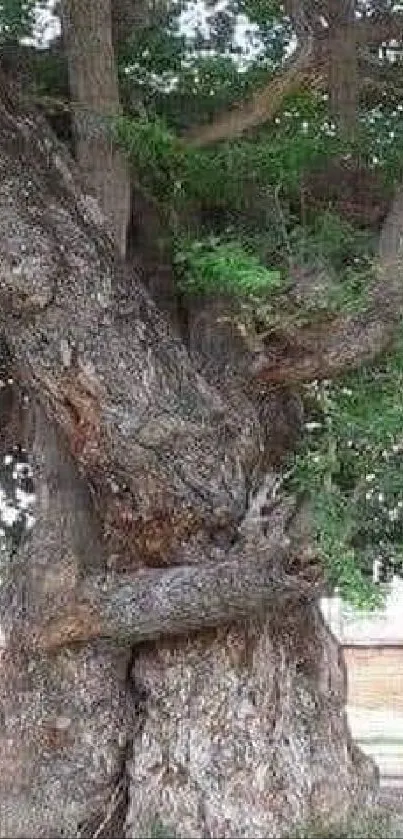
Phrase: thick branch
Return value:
(308, 66)
(173, 602)
(264, 104)
(168, 461)
(349, 341)
(330, 349)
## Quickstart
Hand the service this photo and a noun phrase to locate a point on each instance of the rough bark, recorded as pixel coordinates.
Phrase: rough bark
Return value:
(87, 35)
(165, 468)
(140, 466)
(66, 717)
(343, 67)
(245, 733)
(120, 388)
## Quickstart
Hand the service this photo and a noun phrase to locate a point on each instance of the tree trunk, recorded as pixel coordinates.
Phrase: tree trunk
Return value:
(130, 15)
(87, 34)
(343, 67)
(144, 475)
(236, 741)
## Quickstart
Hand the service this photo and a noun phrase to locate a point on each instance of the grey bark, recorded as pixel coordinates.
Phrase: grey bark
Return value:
(141, 466)
(343, 67)
(138, 462)
(93, 80)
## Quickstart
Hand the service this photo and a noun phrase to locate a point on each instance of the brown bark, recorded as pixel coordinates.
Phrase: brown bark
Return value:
(138, 461)
(87, 33)
(264, 104)
(175, 602)
(227, 747)
(343, 68)
(120, 389)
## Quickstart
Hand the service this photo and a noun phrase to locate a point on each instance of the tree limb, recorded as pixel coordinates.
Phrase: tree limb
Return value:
(307, 66)
(177, 601)
(349, 341)
(330, 349)
(264, 104)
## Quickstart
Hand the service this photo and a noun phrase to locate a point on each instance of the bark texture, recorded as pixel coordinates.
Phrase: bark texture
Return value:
(145, 475)
(93, 81)
(245, 732)
(343, 66)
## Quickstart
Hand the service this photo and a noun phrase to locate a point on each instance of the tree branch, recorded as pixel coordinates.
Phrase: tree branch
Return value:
(308, 66)
(330, 349)
(265, 102)
(176, 601)
(347, 342)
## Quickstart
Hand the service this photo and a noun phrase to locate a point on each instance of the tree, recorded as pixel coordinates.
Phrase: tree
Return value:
(146, 534)
(87, 32)
(139, 465)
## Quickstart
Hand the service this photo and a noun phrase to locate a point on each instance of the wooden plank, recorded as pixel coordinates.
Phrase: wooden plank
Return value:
(375, 677)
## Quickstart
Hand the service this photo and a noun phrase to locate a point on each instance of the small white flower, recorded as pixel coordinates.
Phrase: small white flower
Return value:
(347, 391)
(393, 514)
(369, 494)
(381, 497)
(370, 477)
(312, 426)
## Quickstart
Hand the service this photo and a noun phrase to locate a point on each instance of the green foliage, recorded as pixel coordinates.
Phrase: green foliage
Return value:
(16, 18)
(332, 241)
(160, 830)
(156, 155)
(350, 467)
(187, 78)
(223, 267)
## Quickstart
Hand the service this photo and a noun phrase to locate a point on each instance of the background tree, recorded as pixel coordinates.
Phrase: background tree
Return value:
(94, 91)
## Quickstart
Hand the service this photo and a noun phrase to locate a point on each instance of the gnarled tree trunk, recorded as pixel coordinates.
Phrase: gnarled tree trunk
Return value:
(145, 531)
